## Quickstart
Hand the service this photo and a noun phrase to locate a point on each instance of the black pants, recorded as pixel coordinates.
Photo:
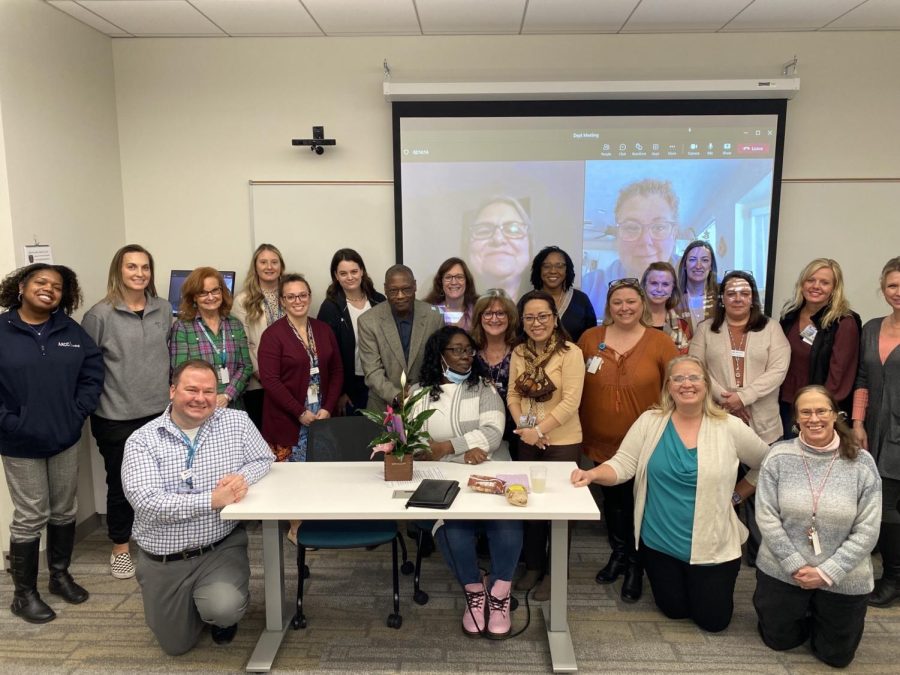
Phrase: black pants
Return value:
(111, 436)
(253, 406)
(702, 593)
(789, 616)
(618, 512)
(536, 532)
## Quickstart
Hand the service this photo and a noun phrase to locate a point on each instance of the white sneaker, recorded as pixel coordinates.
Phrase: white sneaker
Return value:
(121, 566)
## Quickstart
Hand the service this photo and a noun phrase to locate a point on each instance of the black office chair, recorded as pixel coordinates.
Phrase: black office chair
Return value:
(346, 439)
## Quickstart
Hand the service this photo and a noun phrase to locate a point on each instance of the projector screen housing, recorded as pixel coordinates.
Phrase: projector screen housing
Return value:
(564, 167)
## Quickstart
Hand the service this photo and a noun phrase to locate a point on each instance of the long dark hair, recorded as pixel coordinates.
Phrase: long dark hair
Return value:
(334, 292)
(562, 335)
(69, 301)
(849, 448)
(432, 373)
(757, 320)
(538, 261)
(712, 275)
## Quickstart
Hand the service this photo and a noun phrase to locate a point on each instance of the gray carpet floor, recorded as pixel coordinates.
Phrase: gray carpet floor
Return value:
(348, 600)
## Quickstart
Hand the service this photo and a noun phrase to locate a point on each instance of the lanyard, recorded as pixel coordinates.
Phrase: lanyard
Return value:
(187, 476)
(220, 353)
(817, 494)
(311, 348)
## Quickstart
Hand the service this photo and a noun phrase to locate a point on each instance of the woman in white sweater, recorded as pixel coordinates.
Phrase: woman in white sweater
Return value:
(467, 426)
(684, 457)
(819, 510)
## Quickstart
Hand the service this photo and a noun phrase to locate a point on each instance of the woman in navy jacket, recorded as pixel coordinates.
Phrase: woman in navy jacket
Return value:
(51, 376)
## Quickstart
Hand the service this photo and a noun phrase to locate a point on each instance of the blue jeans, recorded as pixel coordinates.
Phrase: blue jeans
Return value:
(456, 539)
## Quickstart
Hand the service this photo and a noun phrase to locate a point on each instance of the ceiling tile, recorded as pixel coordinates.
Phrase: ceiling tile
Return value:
(873, 15)
(684, 16)
(778, 15)
(92, 20)
(153, 17)
(365, 17)
(258, 17)
(576, 16)
(456, 17)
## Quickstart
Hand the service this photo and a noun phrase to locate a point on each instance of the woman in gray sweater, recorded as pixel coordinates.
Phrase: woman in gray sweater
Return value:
(818, 506)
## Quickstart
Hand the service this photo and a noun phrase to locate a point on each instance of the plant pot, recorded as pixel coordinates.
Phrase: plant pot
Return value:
(398, 469)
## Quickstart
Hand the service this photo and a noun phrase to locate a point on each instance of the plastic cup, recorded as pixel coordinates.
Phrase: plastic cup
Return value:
(538, 475)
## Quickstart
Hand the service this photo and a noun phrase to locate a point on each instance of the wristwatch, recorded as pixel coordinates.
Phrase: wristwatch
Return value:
(736, 498)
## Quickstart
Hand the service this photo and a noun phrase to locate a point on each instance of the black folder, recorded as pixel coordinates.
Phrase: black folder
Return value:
(434, 494)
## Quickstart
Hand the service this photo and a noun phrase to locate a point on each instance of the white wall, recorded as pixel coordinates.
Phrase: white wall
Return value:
(60, 156)
(198, 118)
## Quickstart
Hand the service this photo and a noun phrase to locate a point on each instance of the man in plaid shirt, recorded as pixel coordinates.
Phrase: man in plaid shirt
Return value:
(179, 470)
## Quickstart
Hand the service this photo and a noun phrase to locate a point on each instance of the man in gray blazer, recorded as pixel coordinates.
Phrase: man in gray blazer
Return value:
(392, 337)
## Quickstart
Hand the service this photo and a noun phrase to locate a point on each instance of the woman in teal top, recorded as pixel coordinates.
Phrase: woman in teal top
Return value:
(684, 457)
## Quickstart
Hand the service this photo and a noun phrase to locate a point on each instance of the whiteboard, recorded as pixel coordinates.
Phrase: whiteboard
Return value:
(309, 221)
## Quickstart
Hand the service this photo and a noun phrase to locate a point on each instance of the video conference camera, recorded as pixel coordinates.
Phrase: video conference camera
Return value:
(317, 143)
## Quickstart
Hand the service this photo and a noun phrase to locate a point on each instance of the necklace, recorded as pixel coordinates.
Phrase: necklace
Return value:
(40, 326)
(737, 353)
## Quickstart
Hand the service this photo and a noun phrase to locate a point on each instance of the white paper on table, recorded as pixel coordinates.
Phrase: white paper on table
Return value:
(419, 474)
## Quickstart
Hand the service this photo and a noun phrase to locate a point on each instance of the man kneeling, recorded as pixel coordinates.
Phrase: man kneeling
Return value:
(179, 470)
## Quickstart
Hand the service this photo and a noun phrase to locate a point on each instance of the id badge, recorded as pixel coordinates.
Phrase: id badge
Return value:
(527, 421)
(808, 334)
(224, 377)
(186, 475)
(593, 364)
(737, 353)
(314, 370)
(312, 394)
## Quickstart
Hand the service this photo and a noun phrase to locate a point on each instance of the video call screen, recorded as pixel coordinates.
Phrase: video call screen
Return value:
(618, 185)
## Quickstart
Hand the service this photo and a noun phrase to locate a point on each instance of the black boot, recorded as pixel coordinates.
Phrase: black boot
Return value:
(887, 588)
(618, 559)
(23, 563)
(633, 583)
(60, 542)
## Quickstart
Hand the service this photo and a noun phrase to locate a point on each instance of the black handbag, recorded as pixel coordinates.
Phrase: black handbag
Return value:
(434, 494)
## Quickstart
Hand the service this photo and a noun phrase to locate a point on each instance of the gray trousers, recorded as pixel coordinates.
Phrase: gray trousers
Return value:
(42, 491)
(182, 595)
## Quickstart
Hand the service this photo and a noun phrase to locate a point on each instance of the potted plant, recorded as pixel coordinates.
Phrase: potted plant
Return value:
(403, 437)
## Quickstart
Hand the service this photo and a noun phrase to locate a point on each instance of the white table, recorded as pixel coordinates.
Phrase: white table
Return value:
(357, 491)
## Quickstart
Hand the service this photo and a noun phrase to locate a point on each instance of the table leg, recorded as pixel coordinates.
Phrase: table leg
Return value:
(562, 654)
(278, 609)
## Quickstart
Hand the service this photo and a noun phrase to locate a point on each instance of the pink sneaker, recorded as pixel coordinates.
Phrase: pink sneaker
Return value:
(473, 622)
(499, 623)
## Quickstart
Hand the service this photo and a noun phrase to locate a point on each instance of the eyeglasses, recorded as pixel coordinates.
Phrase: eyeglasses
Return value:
(681, 379)
(543, 317)
(821, 413)
(295, 297)
(209, 294)
(511, 229)
(460, 351)
(449, 278)
(628, 281)
(397, 292)
(550, 267)
(631, 230)
(495, 314)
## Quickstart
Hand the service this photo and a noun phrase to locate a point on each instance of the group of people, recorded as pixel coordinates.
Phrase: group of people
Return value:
(678, 398)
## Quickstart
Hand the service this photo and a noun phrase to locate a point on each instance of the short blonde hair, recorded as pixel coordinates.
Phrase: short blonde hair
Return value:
(483, 304)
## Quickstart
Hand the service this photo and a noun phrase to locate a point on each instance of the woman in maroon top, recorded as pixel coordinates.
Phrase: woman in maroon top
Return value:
(824, 336)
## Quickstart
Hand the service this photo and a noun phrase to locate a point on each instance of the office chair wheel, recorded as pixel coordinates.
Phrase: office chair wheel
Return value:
(407, 568)
(298, 622)
(394, 621)
(420, 597)
(513, 603)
